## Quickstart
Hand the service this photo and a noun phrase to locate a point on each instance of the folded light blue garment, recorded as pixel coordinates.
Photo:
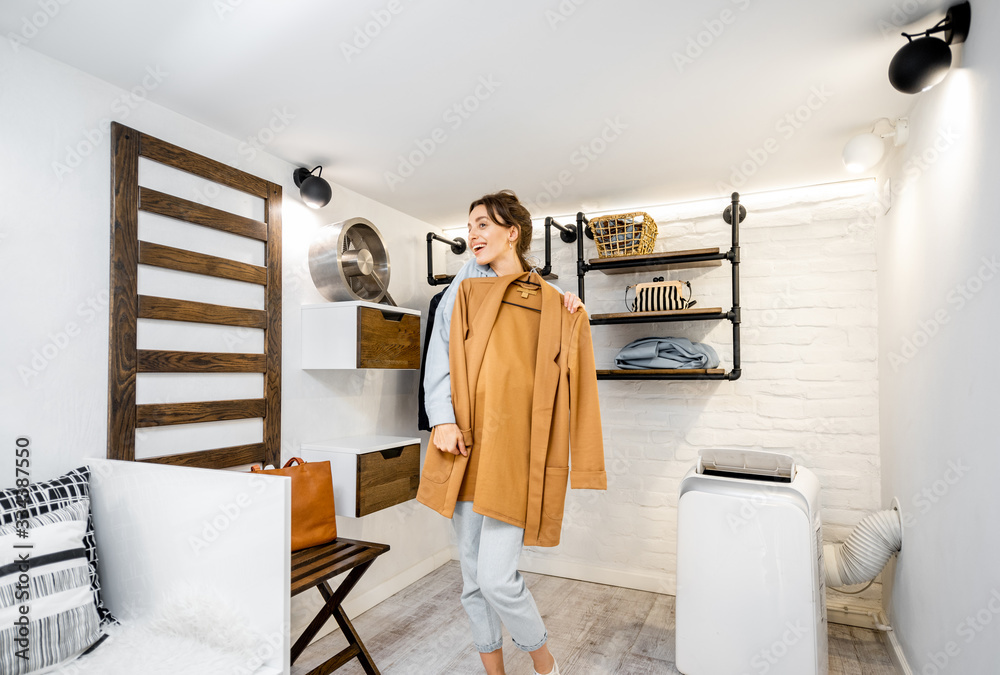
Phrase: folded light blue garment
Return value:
(667, 352)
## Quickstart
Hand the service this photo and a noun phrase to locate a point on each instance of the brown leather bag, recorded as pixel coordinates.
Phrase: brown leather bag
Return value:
(313, 517)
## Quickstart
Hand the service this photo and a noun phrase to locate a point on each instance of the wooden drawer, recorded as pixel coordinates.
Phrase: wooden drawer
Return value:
(350, 335)
(387, 478)
(387, 339)
(370, 473)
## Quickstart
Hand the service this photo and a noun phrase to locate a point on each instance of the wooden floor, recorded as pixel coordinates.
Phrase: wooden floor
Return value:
(593, 630)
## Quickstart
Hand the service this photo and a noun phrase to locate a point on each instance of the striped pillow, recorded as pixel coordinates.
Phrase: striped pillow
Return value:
(39, 498)
(48, 614)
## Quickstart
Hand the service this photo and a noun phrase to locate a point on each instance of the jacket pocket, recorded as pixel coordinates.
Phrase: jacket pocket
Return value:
(438, 465)
(554, 494)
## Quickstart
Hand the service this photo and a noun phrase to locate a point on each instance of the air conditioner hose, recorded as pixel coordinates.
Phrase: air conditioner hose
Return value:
(866, 551)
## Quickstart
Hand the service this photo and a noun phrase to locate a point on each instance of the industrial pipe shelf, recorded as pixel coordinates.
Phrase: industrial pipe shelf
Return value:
(704, 257)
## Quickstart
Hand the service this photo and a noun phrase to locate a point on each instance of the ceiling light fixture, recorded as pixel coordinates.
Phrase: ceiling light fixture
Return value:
(865, 150)
(922, 63)
(315, 192)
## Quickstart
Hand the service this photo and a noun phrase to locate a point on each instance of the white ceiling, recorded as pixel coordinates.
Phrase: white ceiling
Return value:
(561, 70)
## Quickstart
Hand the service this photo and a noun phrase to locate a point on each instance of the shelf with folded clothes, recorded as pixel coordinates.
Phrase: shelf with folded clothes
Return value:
(671, 260)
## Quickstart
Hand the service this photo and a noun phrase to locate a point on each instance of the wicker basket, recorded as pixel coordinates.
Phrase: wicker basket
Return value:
(624, 234)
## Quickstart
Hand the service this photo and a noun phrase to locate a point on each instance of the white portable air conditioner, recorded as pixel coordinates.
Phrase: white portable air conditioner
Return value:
(751, 598)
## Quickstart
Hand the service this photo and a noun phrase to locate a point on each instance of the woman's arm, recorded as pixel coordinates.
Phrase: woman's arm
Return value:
(446, 435)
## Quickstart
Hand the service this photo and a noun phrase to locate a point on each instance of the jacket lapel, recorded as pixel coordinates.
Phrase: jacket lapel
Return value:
(543, 401)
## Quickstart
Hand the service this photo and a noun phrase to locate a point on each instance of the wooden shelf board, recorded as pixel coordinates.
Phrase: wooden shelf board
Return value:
(652, 316)
(665, 371)
(655, 262)
(664, 374)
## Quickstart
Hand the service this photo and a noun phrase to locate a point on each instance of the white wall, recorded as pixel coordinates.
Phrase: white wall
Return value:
(55, 237)
(939, 261)
(809, 386)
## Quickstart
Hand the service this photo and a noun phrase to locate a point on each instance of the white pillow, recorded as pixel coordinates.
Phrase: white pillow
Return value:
(45, 578)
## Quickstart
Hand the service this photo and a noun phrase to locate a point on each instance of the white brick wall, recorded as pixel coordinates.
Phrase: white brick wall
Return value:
(809, 386)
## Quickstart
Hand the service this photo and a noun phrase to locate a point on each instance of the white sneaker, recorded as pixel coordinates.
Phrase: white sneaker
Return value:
(555, 668)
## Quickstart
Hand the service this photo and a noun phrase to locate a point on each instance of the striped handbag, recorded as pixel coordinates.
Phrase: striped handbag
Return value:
(660, 296)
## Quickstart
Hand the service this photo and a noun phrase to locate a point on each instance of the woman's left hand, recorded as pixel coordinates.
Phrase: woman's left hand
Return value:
(572, 302)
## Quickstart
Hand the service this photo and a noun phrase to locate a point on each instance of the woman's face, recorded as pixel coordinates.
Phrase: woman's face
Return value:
(487, 239)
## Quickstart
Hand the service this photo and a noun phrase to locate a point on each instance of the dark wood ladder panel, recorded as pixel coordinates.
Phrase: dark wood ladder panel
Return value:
(168, 309)
(198, 165)
(179, 259)
(127, 306)
(164, 414)
(162, 204)
(158, 361)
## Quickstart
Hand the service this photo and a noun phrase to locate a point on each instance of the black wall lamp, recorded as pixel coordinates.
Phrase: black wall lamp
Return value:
(315, 191)
(922, 63)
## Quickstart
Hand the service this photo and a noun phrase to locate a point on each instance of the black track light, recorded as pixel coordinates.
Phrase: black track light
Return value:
(315, 192)
(922, 63)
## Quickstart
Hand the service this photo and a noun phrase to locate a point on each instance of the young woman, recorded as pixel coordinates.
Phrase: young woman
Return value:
(494, 591)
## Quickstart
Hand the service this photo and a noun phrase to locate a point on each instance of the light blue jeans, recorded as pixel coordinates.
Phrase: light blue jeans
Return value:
(494, 590)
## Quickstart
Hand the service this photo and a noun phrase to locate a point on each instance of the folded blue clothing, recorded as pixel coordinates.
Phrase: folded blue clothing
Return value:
(667, 352)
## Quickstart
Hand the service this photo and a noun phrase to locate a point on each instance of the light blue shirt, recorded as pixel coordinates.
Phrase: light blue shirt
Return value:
(437, 370)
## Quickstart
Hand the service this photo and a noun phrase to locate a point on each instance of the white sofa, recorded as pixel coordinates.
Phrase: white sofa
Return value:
(191, 559)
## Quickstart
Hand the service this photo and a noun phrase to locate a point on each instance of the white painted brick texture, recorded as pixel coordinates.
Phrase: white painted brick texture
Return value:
(809, 386)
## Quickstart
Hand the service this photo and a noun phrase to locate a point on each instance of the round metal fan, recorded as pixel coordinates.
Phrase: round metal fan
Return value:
(348, 261)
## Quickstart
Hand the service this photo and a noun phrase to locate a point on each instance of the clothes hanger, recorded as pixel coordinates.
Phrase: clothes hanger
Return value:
(528, 281)
(533, 309)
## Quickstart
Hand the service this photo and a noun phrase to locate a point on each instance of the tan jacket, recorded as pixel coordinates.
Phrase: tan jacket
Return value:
(564, 406)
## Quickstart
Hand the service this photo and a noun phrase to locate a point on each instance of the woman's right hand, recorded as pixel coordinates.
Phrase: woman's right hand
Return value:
(448, 438)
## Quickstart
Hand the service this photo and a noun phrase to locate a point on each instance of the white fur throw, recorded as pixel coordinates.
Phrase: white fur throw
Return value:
(188, 634)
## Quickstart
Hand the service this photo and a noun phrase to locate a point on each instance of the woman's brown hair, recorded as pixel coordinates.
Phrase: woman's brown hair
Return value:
(505, 209)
